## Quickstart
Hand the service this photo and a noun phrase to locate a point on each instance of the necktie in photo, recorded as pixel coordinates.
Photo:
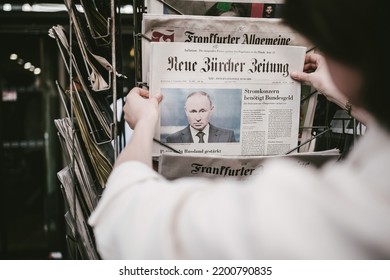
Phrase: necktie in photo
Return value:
(200, 135)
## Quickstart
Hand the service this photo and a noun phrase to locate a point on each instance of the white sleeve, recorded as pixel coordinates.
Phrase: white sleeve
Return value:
(285, 212)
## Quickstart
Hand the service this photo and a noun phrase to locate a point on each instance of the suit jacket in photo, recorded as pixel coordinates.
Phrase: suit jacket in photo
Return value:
(217, 135)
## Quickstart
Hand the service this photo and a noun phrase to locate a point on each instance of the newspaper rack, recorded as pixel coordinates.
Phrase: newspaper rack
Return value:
(80, 184)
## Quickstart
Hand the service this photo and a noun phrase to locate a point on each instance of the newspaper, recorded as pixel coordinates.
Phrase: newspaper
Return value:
(205, 29)
(255, 104)
(232, 30)
(173, 166)
(75, 216)
(254, 8)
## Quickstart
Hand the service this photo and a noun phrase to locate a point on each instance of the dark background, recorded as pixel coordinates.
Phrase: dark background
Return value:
(31, 203)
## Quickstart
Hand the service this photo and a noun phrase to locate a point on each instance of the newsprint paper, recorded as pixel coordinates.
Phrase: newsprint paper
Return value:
(173, 166)
(215, 30)
(255, 104)
(229, 30)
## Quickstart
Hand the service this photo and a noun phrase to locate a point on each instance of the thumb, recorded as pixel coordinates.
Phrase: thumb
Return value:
(300, 77)
(158, 97)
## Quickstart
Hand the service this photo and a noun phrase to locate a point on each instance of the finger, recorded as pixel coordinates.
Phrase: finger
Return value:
(300, 76)
(159, 97)
(309, 67)
(311, 58)
(143, 92)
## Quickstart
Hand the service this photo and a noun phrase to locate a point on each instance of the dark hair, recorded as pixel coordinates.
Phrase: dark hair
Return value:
(273, 6)
(345, 31)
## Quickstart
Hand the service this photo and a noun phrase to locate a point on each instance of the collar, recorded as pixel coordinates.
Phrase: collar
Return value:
(205, 130)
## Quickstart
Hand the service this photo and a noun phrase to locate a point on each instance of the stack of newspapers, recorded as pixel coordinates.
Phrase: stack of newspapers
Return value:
(86, 132)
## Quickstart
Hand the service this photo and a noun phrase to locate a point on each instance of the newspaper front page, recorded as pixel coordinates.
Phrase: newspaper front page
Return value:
(254, 104)
(228, 30)
(215, 30)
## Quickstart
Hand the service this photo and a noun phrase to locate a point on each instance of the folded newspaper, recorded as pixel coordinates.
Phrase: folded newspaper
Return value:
(173, 166)
(253, 105)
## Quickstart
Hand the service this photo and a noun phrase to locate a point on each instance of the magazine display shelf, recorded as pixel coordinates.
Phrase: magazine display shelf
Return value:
(84, 147)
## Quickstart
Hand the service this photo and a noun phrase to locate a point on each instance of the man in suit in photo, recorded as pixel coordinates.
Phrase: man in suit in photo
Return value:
(198, 109)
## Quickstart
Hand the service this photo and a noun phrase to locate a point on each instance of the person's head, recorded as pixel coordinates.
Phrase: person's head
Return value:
(198, 108)
(354, 43)
(268, 10)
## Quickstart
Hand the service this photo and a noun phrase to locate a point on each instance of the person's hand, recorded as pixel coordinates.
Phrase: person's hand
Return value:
(141, 113)
(139, 108)
(315, 73)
